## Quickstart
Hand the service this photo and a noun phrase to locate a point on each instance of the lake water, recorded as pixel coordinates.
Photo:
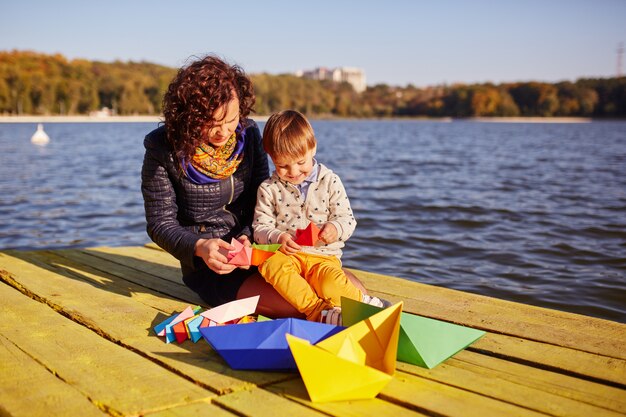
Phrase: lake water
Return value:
(529, 212)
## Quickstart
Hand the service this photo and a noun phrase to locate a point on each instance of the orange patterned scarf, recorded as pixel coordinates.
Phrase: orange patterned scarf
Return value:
(219, 163)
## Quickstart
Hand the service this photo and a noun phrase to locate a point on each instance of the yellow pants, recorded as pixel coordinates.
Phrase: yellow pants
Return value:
(311, 283)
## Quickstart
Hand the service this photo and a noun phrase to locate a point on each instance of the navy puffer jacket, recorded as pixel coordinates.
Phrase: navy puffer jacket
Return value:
(179, 212)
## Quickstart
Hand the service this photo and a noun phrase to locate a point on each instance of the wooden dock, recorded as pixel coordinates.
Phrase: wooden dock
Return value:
(75, 341)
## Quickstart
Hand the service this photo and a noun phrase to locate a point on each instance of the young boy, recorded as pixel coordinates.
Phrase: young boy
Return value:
(299, 192)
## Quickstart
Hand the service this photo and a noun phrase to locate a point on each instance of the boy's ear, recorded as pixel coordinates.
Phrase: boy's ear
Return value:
(314, 150)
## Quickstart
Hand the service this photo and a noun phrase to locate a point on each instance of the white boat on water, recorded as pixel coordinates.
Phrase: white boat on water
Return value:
(40, 137)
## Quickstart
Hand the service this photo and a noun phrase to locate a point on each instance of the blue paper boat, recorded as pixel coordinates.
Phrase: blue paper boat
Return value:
(262, 345)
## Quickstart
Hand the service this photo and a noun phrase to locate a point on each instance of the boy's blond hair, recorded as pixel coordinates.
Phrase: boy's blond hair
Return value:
(288, 134)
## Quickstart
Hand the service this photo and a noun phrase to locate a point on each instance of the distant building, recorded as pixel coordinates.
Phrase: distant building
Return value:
(353, 76)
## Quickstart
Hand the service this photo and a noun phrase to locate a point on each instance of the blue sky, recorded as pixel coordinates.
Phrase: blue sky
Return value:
(425, 42)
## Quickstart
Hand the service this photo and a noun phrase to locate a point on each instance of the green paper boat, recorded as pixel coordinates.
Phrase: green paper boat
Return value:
(424, 342)
(268, 248)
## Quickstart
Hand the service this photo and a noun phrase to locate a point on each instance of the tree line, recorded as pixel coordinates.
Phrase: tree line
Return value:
(40, 84)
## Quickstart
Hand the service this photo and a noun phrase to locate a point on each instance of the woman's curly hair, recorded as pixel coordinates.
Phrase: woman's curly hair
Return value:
(197, 91)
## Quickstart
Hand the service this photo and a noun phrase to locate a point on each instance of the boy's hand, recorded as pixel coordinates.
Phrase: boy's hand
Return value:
(287, 245)
(328, 233)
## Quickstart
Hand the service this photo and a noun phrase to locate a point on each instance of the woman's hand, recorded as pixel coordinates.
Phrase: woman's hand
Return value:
(287, 245)
(328, 233)
(213, 252)
(245, 242)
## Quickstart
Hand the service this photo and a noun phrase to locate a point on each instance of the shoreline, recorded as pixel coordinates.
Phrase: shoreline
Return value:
(263, 118)
(94, 119)
(530, 119)
(80, 119)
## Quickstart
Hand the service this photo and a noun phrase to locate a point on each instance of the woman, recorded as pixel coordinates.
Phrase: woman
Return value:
(200, 176)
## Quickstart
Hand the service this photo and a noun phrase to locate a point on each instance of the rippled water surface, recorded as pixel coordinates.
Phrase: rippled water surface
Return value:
(528, 212)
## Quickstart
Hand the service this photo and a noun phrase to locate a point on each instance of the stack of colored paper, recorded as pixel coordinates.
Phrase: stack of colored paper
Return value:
(187, 324)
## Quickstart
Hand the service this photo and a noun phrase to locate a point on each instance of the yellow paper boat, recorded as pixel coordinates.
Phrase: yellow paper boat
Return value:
(354, 364)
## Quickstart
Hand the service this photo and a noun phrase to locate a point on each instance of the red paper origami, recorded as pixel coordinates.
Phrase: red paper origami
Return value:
(308, 236)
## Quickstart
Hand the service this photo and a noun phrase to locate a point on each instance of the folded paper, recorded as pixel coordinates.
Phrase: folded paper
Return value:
(308, 236)
(231, 311)
(355, 363)
(423, 341)
(171, 327)
(187, 324)
(262, 345)
(260, 253)
(193, 327)
(254, 255)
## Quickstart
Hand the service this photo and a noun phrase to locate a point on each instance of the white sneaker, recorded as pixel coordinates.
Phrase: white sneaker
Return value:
(331, 316)
(375, 301)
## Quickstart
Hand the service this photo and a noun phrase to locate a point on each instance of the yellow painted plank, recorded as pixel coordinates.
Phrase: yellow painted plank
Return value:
(293, 400)
(583, 391)
(119, 317)
(516, 389)
(499, 316)
(199, 409)
(157, 263)
(117, 265)
(118, 380)
(569, 361)
(408, 394)
(154, 246)
(261, 403)
(73, 265)
(28, 389)
(441, 399)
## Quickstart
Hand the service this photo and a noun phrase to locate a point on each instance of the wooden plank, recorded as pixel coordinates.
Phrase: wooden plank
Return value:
(30, 390)
(462, 308)
(444, 400)
(118, 317)
(261, 403)
(518, 389)
(408, 394)
(198, 409)
(74, 265)
(115, 264)
(292, 399)
(157, 263)
(575, 331)
(543, 355)
(118, 380)
(583, 391)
